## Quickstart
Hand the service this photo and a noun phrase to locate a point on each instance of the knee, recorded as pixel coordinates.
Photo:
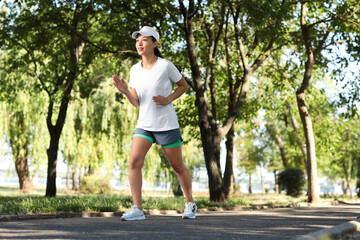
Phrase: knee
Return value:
(136, 163)
(179, 168)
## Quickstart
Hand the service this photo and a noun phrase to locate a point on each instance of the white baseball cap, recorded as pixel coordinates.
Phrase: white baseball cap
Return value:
(147, 32)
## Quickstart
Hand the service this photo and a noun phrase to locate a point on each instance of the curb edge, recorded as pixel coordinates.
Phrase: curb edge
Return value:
(334, 232)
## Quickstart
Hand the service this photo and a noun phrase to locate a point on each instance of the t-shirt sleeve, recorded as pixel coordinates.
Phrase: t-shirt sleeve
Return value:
(174, 74)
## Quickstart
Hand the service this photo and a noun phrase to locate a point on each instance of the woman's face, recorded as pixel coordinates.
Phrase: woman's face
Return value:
(145, 45)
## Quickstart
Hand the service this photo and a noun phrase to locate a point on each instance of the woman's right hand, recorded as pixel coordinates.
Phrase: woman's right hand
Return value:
(120, 84)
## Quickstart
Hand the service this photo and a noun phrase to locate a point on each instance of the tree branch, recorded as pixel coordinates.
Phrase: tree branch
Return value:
(335, 42)
(320, 47)
(35, 64)
(262, 57)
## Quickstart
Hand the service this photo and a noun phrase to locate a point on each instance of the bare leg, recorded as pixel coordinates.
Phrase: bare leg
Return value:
(139, 147)
(174, 157)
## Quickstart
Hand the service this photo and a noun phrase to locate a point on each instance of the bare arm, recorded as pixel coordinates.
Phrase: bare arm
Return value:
(182, 87)
(122, 86)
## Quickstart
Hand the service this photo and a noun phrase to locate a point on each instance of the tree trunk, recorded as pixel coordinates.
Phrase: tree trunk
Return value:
(295, 125)
(22, 170)
(19, 143)
(210, 136)
(68, 169)
(344, 188)
(311, 166)
(229, 174)
(81, 175)
(55, 130)
(211, 150)
(52, 161)
(276, 183)
(281, 146)
(262, 181)
(279, 142)
(75, 178)
(348, 187)
(176, 186)
(250, 183)
(55, 133)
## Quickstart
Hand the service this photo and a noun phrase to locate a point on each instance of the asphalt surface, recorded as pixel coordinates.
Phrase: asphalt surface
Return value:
(276, 223)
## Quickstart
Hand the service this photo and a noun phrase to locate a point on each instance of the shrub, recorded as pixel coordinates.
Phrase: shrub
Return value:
(292, 179)
(358, 188)
(95, 185)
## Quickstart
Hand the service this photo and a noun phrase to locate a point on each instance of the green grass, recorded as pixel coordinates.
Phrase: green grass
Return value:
(13, 202)
(29, 204)
(39, 204)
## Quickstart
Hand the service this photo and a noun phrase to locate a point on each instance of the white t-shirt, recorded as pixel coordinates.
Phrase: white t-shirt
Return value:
(148, 83)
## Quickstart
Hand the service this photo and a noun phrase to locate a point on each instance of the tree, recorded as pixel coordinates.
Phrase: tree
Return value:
(22, 120)
(342, 152)
(49, 35)
(60, 40)
(254, 42)
(318, 31)
(273, 133)
(22, 128)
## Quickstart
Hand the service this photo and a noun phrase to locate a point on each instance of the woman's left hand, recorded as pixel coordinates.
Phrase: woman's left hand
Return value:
(160, 100)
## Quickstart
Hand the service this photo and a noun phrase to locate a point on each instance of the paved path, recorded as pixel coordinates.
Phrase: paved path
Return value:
(278, 223)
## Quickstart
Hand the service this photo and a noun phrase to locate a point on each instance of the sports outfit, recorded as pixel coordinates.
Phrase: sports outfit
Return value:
(156, 123)
(149, 83)
(167, 139)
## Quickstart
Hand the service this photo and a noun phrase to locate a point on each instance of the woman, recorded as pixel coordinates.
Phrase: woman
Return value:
(151, 89)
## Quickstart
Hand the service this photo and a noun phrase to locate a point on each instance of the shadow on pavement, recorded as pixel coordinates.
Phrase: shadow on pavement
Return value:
(279, 223)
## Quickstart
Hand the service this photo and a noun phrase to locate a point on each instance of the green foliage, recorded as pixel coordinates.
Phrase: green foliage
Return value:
(95, 184)
(98, 130)
(342, 152)
(292, 179)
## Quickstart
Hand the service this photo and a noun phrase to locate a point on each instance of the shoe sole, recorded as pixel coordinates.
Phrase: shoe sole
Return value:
(186, 217)
(133, 219)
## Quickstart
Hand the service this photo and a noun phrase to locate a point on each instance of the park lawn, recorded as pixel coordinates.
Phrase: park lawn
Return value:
(33, 204)
(13, 202)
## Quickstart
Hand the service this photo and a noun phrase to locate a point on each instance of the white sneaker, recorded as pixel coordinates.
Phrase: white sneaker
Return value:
(134, 214)
(190, 210)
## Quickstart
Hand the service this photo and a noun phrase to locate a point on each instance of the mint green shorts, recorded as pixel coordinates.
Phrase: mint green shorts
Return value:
(167, 139)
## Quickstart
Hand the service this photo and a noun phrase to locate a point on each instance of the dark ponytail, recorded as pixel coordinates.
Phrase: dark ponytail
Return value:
(157, 52)
(156, 49)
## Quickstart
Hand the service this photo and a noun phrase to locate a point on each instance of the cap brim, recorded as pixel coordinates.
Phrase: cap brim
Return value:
(135, 34)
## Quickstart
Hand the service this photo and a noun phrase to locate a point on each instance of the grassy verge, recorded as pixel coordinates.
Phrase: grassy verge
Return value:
(12, 202)
(29, 204)
(40, 204)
